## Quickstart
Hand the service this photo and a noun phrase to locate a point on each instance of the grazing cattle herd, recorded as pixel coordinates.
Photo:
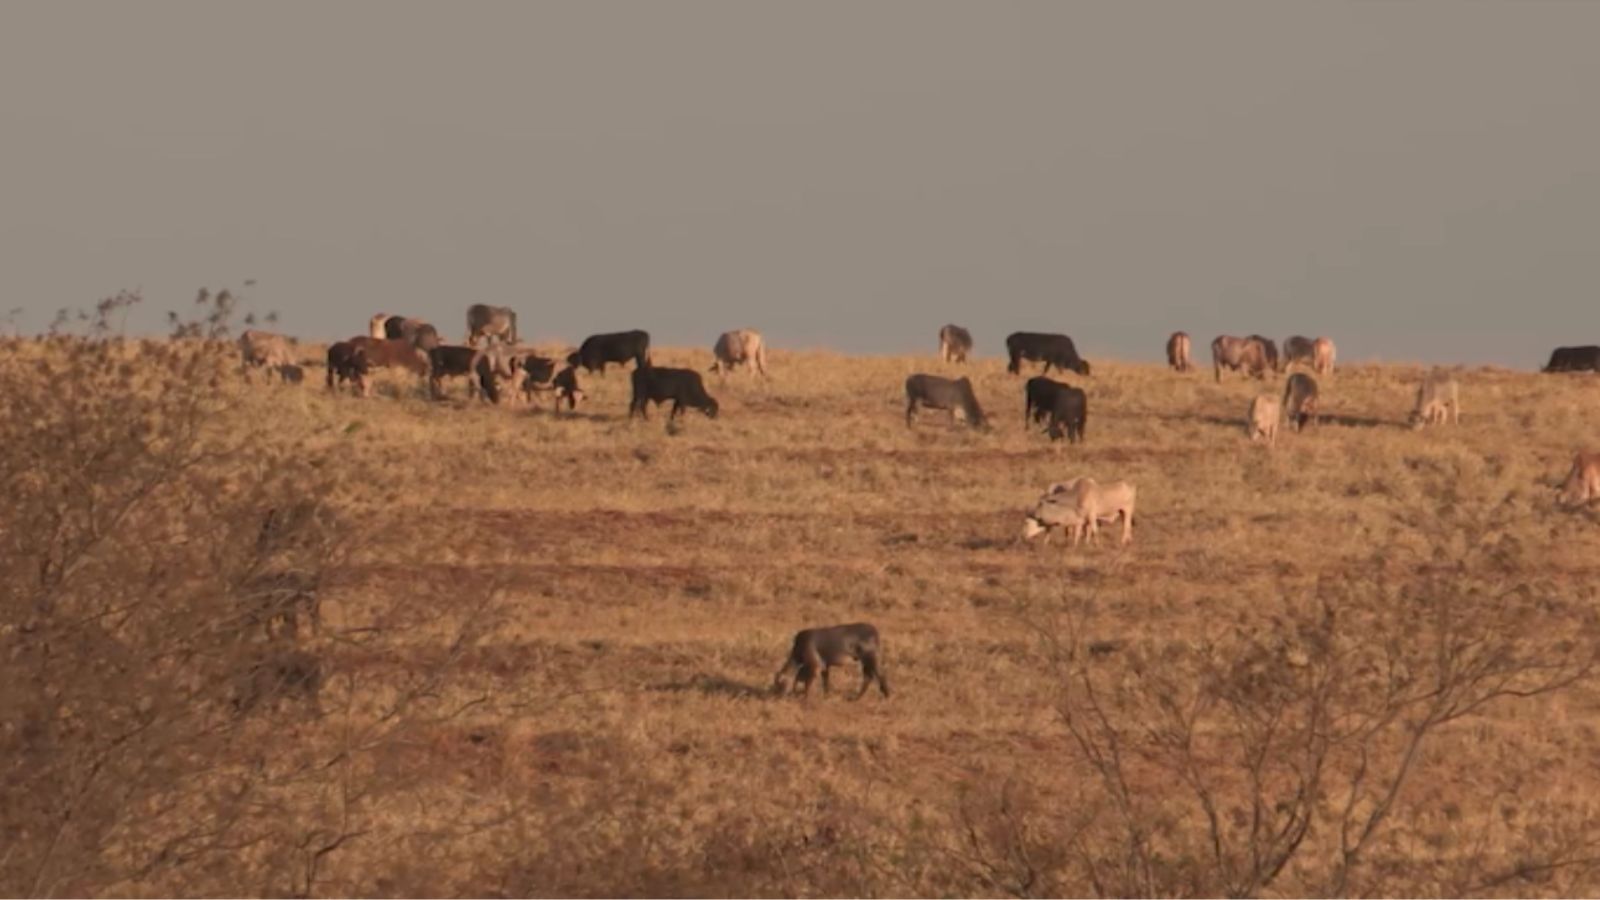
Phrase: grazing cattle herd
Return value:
(493, 363)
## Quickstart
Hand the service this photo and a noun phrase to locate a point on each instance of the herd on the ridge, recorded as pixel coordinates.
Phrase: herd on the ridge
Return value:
(495, 364)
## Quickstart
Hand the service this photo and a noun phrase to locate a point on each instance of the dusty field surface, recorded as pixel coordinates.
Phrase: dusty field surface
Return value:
(550, 642)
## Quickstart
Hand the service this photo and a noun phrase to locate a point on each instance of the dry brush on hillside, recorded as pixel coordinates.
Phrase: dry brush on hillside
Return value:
(269, 640)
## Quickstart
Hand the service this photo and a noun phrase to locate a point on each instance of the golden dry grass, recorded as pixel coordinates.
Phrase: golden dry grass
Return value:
(609, 730)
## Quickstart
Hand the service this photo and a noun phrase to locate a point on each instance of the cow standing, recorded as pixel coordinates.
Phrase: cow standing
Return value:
(1066, 406)
(1299, 349)
(348, 363)
(935, 392)
(1051, 349)
(1574, 359)
(1235, 353)
(1322, 354)
(617, 347)
(1438, 396)
(742, 345)
(485, 323)
(1265, 413)
(955, 343)
(816, 650)
(683, 387)
(1179, 352)
(1079, 506)
(1300, 400)
(264, 350)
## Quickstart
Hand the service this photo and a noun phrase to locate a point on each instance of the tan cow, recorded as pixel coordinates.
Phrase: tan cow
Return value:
(375, 328)
(742, 345)
(1237, 353)
(1438, 396)
(264, 349)
(1179, 350)
(1322, 356)
(1265, 413)
(1079, 506)
(955, 343)
(1583, 482)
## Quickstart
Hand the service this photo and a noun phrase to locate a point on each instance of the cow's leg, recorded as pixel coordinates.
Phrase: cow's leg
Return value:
(672, 416)
(869, 671)
(808, 674)
(826, 688)
(1127, 527)
(911, 407)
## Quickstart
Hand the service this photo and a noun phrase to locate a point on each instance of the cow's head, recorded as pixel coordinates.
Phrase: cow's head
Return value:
(1032, 528)
(710, 407)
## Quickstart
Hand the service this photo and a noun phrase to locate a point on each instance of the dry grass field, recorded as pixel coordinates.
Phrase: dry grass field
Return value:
(1354, 664)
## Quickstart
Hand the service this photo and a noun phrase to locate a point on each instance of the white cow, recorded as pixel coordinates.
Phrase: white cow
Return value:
(1079, 506)
(1438, 394)
(1265, 413)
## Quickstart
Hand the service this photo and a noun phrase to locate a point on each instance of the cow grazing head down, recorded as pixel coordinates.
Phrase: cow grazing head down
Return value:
(1032, 528)
(1082, 368)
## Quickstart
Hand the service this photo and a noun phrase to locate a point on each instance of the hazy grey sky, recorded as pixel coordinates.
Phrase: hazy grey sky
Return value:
(1416, 180)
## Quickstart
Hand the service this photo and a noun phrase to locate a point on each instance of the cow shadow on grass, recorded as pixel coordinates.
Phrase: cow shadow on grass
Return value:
(712, 686)
(1357, 421)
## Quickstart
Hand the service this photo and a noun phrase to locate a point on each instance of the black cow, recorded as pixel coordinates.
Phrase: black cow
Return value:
(1039, 396)
(1067, 407)
(1574, 359)
(1269, 349)
(943, 393)
(1051, 349)
(541, 375)
(347, 361)
(816, 650)
(658, 385)
(617, 347)
(451, 361)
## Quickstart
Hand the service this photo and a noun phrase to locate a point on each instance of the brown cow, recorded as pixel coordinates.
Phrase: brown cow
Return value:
(1179, 351)
(1583, 481)
(486, 322)
(955, 343)
(386, 353)
(742, 345)
(1237, 353)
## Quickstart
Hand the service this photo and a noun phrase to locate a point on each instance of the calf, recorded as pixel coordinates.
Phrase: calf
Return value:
(291, 374)
(943, 393)
(817, 650)
(1051, 349)
(1265, 412)
(1300, 400)
(955, 343)
(1438, 396)
(617, 347)
(658, 385)
(1178, 352)
(537, 372)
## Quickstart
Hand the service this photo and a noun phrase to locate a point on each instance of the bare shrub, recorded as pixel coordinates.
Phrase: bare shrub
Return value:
(1281, 747)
